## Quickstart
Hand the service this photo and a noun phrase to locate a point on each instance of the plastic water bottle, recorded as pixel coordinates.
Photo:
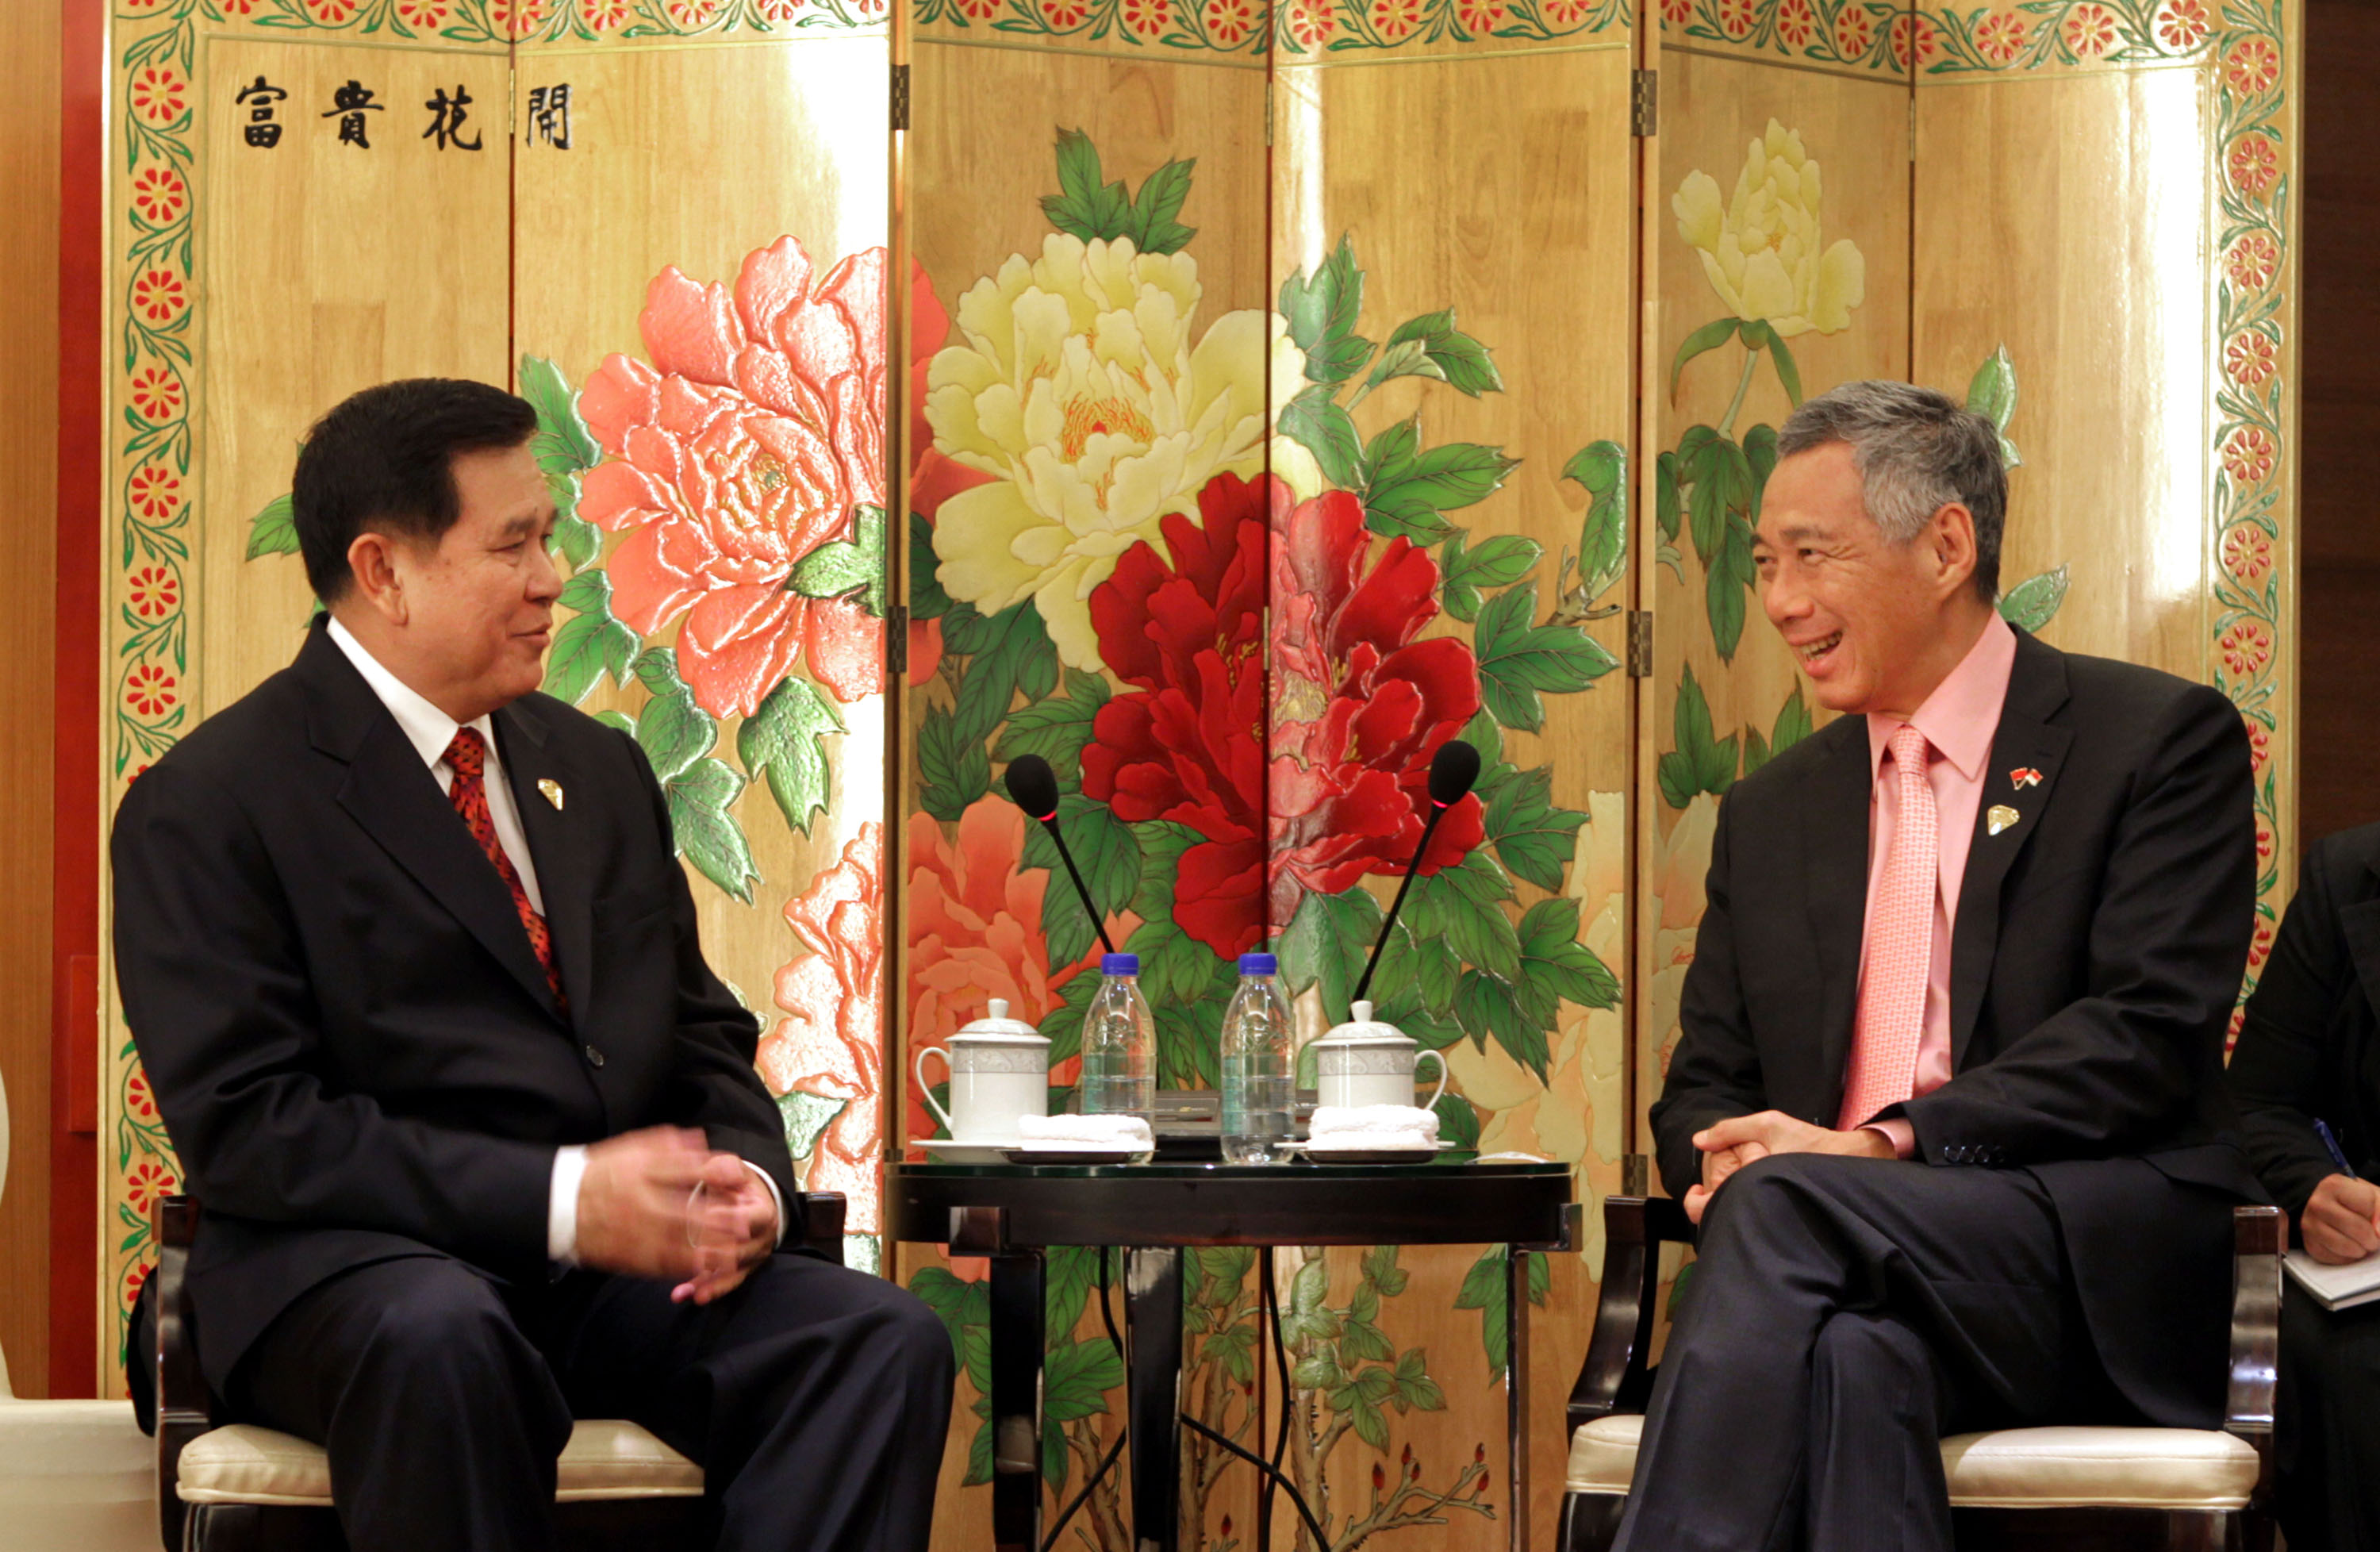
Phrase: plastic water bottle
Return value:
(1120, 1044)
(1258, 1078)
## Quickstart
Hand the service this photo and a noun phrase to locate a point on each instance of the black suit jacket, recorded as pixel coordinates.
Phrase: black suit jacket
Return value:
(2093, 965)
(350, 1040)
(2310, 1045)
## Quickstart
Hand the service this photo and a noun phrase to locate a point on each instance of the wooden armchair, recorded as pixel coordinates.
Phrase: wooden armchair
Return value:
(242, 1488)
(2013, 1490)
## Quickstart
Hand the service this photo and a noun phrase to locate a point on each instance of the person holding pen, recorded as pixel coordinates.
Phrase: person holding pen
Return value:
(2306, 1074)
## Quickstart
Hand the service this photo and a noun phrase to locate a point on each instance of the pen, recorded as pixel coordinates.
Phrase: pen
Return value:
(2330, 1140)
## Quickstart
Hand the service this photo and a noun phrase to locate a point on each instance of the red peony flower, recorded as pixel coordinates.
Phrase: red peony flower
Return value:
(744, 445)
(1187, 745)
(1359, 704)
(1358, 708)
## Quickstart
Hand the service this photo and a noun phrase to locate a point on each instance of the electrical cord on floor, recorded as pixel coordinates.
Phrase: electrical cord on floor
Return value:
(1107, 1317)
(1272, 1474)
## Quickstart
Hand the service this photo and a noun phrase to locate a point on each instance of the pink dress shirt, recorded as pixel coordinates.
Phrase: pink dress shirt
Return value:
(1959, 720)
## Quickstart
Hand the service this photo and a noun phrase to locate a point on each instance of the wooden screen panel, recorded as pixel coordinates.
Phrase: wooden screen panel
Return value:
(1496, 190)
(985, 915)
(252, 285)
(1724, 120)
(2144, 253)
(2095, 282)
(328, 267)
(677, 208)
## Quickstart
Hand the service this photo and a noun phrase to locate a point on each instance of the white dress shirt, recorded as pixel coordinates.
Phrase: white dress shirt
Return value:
(429, 731)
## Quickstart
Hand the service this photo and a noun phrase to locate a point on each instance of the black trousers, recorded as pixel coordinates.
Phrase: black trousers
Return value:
(1842, 1317)
(2327, 1436)
(815, 1399)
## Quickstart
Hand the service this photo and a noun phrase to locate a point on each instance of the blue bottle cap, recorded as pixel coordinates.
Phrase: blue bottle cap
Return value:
(1258, 965)
(1119, 964)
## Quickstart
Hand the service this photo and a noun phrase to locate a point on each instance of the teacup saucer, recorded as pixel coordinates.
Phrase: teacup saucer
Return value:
(969, 1150)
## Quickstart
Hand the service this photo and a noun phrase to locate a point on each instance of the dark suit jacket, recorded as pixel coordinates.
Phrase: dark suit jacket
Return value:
(2093, 965)
(350, 1040)
(2310, 1045)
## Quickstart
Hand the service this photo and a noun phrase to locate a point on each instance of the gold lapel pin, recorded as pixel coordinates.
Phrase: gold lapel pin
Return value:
(1999, 819)
(553, 791)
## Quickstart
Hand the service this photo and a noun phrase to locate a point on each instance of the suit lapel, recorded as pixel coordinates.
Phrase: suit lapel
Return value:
(2027, 743)
(393, 796)
(1836, 838)
(540, 785)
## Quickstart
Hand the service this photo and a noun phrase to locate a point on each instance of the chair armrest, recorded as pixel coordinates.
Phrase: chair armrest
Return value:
(183, 1409)
(1614, 1379)
(822, 1219)
(2257, 1238)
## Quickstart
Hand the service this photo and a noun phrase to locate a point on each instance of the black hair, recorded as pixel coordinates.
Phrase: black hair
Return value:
(383, 461)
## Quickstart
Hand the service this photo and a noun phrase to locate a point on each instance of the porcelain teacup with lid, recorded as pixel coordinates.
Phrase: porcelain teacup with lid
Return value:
(1364, 1062)
(1000, 1070)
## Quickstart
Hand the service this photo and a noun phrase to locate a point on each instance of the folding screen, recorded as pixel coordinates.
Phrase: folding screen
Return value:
(1228, 405)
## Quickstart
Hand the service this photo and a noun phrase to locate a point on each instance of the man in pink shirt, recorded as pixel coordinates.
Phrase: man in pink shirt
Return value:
(1947, 1104)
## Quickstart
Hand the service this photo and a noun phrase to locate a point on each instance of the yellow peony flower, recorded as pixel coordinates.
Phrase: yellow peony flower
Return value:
(1080, 390)
(1761, 251)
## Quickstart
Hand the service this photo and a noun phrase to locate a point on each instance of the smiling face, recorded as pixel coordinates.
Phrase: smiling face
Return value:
(465, 619)
(1874, 624)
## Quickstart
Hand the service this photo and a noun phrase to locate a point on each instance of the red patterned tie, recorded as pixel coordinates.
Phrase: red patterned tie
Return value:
(468, 755)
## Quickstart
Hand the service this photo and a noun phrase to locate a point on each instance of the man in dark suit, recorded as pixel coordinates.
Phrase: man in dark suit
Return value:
(1948, 1102)
(2308, 1053)
(414, 975)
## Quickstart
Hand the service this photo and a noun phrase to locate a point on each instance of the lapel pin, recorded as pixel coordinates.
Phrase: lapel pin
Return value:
(553, 791)
(2025, 776)
(2000, 818)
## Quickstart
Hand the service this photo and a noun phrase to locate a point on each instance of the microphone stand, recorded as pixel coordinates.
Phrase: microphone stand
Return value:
(1437, 812)
(1049, 822)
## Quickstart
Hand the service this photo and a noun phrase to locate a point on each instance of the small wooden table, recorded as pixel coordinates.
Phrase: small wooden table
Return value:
(1012, 1212)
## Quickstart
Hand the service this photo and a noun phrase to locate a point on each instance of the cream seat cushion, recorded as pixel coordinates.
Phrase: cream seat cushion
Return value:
(244, 1464)
(2017, 1468)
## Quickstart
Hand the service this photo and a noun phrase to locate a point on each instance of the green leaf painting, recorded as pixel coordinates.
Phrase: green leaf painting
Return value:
(1095, 210)
(2033, 603)
(848, 567)
(781, 742)
(274, 530)
(1697, 763)
(1518, 660)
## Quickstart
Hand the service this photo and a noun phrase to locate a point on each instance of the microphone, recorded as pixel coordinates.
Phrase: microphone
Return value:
(1034, 786)
(1452, 772)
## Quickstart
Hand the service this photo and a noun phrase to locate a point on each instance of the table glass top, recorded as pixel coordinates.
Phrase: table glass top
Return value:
(1462, 1164)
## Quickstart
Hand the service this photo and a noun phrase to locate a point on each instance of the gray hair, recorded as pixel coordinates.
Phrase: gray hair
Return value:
(1916, 451)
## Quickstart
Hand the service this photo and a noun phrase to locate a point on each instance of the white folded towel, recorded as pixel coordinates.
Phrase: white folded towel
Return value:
(1068, 1133)
(1371, 1127)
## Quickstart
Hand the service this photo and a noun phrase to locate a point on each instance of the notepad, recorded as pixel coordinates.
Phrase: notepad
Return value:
(2337, 1288)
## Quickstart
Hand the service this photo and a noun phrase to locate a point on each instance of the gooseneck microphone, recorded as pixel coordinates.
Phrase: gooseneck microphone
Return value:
(1034, 786)
(1452, 772)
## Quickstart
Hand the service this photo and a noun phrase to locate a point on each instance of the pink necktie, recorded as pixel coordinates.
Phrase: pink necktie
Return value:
(1899, 947)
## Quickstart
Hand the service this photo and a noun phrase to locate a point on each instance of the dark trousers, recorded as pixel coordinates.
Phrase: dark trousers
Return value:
(1843, 1314)
(815, 1399)
(2327, 1436)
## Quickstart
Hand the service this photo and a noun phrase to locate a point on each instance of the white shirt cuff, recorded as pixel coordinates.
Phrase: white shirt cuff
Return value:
(774, 1196)
(562, 1206)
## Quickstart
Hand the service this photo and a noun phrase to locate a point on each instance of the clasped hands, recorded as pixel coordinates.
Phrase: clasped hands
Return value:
(1730, 1145)
(662, 1204)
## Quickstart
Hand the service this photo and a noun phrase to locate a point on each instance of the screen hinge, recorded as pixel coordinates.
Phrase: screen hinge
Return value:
(1644, 104)
(1640, 644)
(896, 640)
(900, 96)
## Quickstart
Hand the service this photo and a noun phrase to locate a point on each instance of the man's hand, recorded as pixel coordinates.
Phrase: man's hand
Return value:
(1731, 1143)
(735, 1228)
(633, 1200)
(2342, 1220)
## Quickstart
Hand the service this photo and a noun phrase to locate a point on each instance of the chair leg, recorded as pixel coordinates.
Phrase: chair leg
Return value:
(2202, 1531)
(1590, 1521)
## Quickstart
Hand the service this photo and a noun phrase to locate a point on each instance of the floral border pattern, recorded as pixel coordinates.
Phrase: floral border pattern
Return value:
(510, 21)
(1846, 35)
(2251, 514)
(1311, 28)
(2062, 34)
